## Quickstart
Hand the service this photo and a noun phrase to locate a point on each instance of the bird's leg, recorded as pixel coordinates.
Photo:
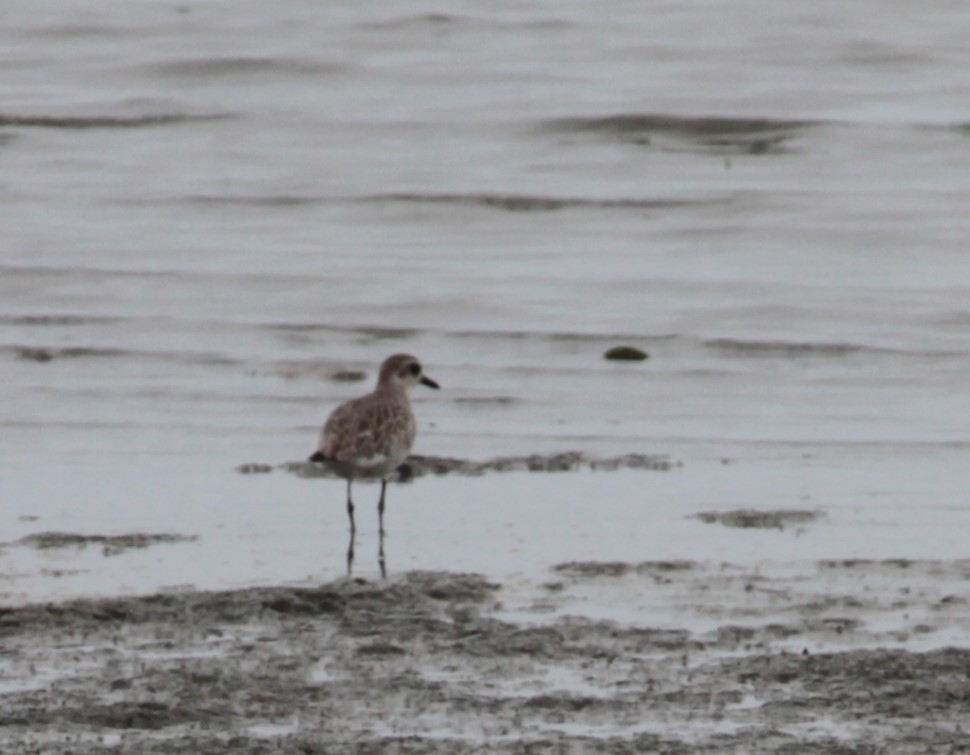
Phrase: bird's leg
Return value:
(380, 507)
(350, 552)
(350, 508)
(380, 556)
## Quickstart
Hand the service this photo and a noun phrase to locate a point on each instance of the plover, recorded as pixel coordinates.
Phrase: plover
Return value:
(370, 436)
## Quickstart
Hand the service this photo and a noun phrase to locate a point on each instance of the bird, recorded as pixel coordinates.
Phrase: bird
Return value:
(369, 436)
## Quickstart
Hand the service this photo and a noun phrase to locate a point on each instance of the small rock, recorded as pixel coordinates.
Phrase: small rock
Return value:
(625, 354)
(35, 355)
(254, 468)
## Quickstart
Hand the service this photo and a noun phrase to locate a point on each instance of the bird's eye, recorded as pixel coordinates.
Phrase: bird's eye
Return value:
(415, 369)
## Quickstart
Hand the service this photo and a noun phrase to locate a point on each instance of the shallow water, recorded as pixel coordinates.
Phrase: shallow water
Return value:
(212, 210)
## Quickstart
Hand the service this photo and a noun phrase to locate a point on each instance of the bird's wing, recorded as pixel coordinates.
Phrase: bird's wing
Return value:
(367, 428)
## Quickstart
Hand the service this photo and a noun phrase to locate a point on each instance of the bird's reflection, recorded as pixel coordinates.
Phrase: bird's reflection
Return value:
(380, 556)
(351, 542)
(350, 547)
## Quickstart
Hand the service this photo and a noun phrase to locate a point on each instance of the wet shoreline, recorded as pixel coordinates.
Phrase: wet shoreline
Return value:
(432, 662)
(418, 465)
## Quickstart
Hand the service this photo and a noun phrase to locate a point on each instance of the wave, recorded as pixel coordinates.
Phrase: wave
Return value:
(723, 134)
(504, 202)
(174, 274)
(268, 200)
(76, 31)
(564, 337)
(732, 347)
(363, 330)
(740, 347)
(244, 66)
(44, 354)
(560, 337)
(420, 20)
(524, 203)
(797, 349)
(81, 122)
(442, 22)
(55, 320)
(691, 125)
(49, 354)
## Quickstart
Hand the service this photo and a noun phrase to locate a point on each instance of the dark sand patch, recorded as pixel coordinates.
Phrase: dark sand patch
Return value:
(421, 466)
(425, 663)
(620, 568)
(777, 519)
(255, 468)
(111, 544)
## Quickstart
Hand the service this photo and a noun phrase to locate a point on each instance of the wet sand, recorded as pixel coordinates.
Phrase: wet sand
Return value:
(849, 656)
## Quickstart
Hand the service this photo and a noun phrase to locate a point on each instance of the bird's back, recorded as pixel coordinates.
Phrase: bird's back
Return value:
(372, 434)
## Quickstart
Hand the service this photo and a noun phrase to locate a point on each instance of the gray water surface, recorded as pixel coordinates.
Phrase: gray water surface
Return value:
(210, 211)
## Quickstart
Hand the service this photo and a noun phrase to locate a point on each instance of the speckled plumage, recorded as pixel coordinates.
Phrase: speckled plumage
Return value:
(370, 436)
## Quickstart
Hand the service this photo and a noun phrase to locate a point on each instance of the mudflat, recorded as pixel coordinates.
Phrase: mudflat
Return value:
(852, 658)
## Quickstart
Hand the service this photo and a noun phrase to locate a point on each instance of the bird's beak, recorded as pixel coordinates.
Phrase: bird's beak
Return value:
(429, 382)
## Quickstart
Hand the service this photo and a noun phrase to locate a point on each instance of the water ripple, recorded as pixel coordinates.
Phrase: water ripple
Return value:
(722, 134)
(80, 122)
